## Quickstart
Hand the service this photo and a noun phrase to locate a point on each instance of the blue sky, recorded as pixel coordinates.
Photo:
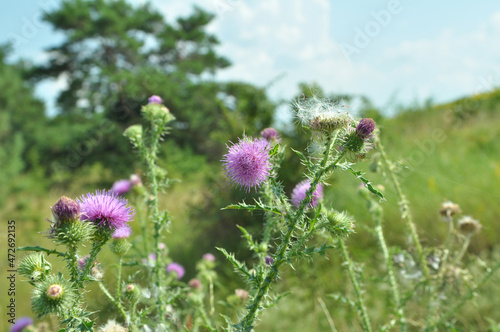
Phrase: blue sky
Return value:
(404, 50)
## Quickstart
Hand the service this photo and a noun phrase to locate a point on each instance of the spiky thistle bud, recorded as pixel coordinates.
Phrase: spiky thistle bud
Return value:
(365, 128)
(131, 293)
(195, 284)
(54, 295)
(270, 135)
(157, 114)
(340, 224)
(469, 226)
(35, 267)
(133, 133)
(120, 245)
(358, 140)
(65, 211)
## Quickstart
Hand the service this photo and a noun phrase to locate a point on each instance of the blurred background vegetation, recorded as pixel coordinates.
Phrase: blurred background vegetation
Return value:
(115, 56)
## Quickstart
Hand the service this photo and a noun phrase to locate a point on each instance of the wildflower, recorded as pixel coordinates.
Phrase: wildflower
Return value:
(65, 211)
(120, 245)
(21, 323)
(322, 115)
(121, 187)
(177, 269)
(247, 163)
(359, 139)
(365, 127)
(269, 260)
(162, 246)
(270, 135)
(155, 100)
(97, 273)
(53, 295)
(469, 226)
(132, 293)
(209, 257)
(105, 210)
(300, 190)
(195, 284)
(448, 209)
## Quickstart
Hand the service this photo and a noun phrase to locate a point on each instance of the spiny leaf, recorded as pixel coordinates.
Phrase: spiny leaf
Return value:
(258, 206)
(240, 267)
(367, 183)
(40, 249)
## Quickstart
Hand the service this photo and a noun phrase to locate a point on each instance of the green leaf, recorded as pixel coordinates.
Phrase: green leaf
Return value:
(239, 266)
(367, 183)
(258, 206)
(40, 249)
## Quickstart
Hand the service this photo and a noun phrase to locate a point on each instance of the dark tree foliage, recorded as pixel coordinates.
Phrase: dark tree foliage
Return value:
(115, 55)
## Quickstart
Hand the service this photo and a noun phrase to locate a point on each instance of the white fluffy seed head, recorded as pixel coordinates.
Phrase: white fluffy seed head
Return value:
(322, 115)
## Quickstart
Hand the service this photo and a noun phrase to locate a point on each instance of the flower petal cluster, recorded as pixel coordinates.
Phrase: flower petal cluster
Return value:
(300, 190)
(247, 163)
(105, 209)
(176, 268)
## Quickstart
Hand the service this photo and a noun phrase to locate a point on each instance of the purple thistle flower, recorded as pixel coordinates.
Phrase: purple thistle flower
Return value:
(21, 323)
(365, 127)
(270, 135)
(154, 99)
(269, 260)
(299, 193)
(122, 232)
(105, 209)
(152, 257)
(120, 187)
(209, 257)
(177, 268)
(247, 163)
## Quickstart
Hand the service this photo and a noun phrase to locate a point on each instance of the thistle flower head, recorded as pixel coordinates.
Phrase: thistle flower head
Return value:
(270, 135)
(65, 211)
(121, 187)
(54, 295)
(105, 210)
(269, 260)
(322, 115)
(176, 268)
(448, 209)
(154, 99)
(209, 257)
(247, 163)
(82, 262)
(35, 267)
(365, 128)
(132, 292)
(300, 190)
(469, 226)
(21, 324)
(195, 284)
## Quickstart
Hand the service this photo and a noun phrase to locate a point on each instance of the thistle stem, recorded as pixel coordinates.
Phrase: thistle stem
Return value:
(405, 210)
(246, 323)
(357, 288)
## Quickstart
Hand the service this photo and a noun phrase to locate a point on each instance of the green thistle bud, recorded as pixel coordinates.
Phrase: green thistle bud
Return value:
(74, 233)
(157, 113)
(35, 267)
(120, 246)
(54, 295)
(133, 133)
(340, 224)
(131, 293)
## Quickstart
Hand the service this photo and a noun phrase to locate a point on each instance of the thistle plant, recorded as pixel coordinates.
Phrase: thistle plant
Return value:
(295, 220)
